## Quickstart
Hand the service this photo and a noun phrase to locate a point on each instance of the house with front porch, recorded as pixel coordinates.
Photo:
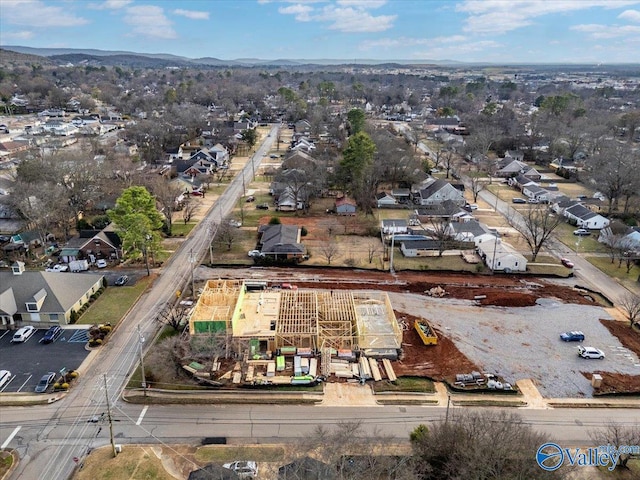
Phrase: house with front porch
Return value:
(93, 245)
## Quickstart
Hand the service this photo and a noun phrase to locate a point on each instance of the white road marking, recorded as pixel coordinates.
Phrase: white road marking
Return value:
(8, 440)
(144, 410)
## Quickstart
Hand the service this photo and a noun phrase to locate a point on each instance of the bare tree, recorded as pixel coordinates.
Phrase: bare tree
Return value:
(535, 224)
(330, 250)
(188, 209)
(630, 306)
(348, 452)
(374, 247)
(439, 229)
(226, 234)
(479, 445)
(166, 194)
(618, 435)
(477, 185)
(175, 316)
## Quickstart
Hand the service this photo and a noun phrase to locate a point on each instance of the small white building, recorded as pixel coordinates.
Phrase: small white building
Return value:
(501, 257)
(585, 218)
(393, 226)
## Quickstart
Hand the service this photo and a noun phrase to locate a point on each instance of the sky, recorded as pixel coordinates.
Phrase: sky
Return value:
(494, 31)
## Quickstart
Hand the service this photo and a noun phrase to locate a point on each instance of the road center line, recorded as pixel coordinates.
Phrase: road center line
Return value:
(8, 440)
(144, 410)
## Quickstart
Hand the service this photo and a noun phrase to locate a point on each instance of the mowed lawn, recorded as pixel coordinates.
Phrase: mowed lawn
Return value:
(114, 303)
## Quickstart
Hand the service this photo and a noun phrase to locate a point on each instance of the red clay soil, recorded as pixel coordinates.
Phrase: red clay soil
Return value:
(437, 362)
(615, 383)
(503, 291)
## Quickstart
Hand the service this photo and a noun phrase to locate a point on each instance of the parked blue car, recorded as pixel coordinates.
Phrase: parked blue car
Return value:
(572, 337)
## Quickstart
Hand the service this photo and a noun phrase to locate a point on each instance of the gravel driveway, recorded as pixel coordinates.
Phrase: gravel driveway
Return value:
(519, 343)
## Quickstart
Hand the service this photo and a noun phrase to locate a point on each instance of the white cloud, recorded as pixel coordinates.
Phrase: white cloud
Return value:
(22, 35)
(301, 12)
(110, 4)
(500, 16)
(362, 3)
(35, 13)
(192, 14)
(598, 31)
(354, 20)
(149, 21)
(346, 16)
(630, 15)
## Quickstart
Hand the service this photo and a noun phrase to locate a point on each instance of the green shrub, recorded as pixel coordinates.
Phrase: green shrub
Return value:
(303, 232)
(274, 221)
(73, 317)
(65, 386)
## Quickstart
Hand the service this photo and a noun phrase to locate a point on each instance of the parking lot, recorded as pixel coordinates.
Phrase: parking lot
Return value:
(29, 361)
(523, 342)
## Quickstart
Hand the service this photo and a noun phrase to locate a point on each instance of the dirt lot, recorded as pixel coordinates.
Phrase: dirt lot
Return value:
(515, 327)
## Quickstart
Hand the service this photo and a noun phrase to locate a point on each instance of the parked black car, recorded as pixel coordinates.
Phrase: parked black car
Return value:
(51, 334)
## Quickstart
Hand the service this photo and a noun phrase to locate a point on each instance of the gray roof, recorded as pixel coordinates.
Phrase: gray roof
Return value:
(580, 211)
(280, 239)
(535, 189)
(421, 244)
(63, 289)
(472, 226)
(433, 188)
(444, 209)
(394, 222)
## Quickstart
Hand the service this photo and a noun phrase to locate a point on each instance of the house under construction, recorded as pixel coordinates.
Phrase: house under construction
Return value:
(264, 319)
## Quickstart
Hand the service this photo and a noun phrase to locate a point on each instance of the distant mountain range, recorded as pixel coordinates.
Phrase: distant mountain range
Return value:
(114, 57)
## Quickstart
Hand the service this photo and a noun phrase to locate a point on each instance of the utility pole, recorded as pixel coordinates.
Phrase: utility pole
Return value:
(192, 260)
(446, 415)
(106, 393)
(144, 380)
(393, 241)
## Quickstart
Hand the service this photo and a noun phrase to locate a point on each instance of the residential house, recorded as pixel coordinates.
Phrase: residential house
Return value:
(402, 195)
(438, 192)
(621, 235)
(345, 206)
(420, 248)
(501, 257)
(281, 242)
(447, 210)
(303, 145)
(43, 299)
(508, 167)
(471, 231)
(13, 147)
(536, 193)
(384, 199)
(585, 218)
(394, 226)
(290, 201)
(531, 173)
(563, 163)
(515, 155)
(299, 159)
(520, 182)
(302, 126)
(93, 245)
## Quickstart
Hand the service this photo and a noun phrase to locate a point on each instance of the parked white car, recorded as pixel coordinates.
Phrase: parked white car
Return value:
(590, 352)
(101, 263)
(23, 334)
(58, 268)
(5, 376)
